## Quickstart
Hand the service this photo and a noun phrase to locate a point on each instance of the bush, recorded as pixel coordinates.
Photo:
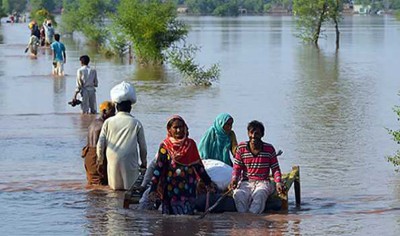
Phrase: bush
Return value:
(183, 60)
(395, 159)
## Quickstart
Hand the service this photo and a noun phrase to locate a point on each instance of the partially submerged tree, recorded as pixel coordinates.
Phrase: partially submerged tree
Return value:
(312, 14)
(49, 5)
(395, 159)
(151, 26)
(12, 6)
(87, 17)
(182, 58)
(42, 14)
(2, 11)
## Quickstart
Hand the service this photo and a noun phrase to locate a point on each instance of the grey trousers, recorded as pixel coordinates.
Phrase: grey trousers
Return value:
(88, 101)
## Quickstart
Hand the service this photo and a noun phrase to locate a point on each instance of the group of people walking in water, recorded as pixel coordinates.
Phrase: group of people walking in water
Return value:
(116, 145)
(116, 142)
(45, 36)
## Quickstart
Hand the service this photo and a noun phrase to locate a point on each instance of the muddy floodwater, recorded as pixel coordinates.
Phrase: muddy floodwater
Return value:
(326, 110)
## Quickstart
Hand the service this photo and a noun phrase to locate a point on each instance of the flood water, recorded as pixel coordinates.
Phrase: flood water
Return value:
(326, 110)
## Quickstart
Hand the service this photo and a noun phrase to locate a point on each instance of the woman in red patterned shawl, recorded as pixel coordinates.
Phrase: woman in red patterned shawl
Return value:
(178, 167)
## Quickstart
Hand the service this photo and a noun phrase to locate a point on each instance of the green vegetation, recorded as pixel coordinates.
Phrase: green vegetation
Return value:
(225, 8)
(312, 14)
(395, 159)
(182, 58)
(11, 6)
(151, 26)
(2, 11)
(87, 17)
(48, 5)
(42, 14)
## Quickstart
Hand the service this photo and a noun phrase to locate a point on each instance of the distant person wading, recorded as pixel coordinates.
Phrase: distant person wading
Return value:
(59, 56)
(86, 84)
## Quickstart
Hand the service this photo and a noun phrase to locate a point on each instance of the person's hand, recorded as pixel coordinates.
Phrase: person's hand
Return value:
(280, 188)
(233, 184)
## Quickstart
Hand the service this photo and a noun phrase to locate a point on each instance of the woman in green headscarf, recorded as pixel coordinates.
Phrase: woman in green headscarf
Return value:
(219, 140)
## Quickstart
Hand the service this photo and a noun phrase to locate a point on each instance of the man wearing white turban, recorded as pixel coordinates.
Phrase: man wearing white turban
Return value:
(120, 138)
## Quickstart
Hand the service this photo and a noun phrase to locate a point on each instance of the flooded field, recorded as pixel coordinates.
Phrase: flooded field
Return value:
(326, 110)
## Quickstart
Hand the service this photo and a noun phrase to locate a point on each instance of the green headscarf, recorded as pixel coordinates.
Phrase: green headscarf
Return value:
(216, 143)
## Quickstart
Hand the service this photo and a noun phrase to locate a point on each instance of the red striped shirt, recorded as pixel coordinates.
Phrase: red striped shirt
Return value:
(247, 166)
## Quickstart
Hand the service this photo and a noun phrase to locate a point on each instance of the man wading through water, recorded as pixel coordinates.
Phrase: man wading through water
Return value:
(96, 174)
(86, 84)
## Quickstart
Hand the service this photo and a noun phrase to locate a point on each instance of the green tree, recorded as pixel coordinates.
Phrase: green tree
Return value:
(49, 5)
(11, 6)
(42, 14)
(87, 17)
(227, 8)
(151, 26)
(201, 7)
(254, 6)
(395, 159)
(312, 14)
(182, 58)
(2, 11)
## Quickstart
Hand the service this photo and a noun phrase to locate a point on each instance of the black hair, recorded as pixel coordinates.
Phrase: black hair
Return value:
(57, 37)
(125, 106)
(256, 125)
(171, 121)
(85, 59)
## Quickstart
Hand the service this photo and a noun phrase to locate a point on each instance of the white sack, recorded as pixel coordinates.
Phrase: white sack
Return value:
(123, 92)
(219, 172)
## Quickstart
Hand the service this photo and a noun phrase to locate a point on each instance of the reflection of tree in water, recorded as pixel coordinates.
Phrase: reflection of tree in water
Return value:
(158, 89)
(329, 113)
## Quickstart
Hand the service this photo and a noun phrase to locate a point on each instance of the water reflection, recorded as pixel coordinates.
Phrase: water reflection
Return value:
(59, 90)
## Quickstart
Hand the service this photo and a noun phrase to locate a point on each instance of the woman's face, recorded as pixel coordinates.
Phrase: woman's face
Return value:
(177, 129)
(228, 125)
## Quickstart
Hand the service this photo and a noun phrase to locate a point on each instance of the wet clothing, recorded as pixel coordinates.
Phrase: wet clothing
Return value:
(216, 143)
(251, 196)
(149, 172)
(33, 44)
(175, 178)
(92, 174)
(49, 33)
(58, 50)
(35, 30)
(42, 36)
(120, 138)
(89, 153)
(86, 83)
(58, 57)
(253, 173)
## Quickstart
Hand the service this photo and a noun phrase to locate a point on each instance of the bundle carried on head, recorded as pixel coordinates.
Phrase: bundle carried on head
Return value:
(123, 91)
